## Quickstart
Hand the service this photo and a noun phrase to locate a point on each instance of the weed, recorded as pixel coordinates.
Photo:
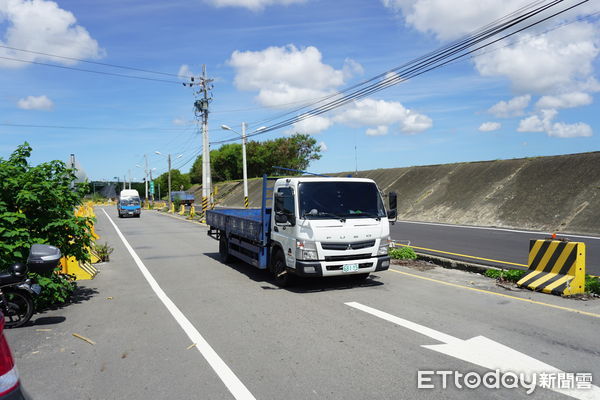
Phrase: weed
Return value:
(403, 253)
(510, 275)
(103, 251)
(592, 284)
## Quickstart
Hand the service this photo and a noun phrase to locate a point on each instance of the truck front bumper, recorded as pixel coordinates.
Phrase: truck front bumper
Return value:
(333, 268)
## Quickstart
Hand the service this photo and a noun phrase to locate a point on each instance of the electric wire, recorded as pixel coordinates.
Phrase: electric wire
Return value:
(91, 62)
(90, 70)
(411, 62)
(433, 60)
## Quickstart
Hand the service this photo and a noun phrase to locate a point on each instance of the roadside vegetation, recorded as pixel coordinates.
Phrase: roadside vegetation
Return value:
(403, 253)
(37, 206)
(506, 275)
(592, 284)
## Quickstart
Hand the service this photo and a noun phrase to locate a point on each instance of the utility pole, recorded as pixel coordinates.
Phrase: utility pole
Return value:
(201, 110)
(244, 164)
(169, 179)
(146, 175)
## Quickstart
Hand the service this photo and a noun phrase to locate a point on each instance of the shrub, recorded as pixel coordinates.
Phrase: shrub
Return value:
(403, 253)
(510, 275)
(36, 206)
(103, 251)
(592, 284)
(57, 288)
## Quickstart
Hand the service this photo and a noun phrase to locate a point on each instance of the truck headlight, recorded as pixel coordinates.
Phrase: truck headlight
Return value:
(384, 246)
(306, 250)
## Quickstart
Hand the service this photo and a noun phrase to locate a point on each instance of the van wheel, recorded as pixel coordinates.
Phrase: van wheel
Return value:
(282, 277)
(224, 249)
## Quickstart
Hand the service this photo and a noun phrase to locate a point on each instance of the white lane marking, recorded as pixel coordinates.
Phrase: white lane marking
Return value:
(497, 229)
(483, 352)
(235, 386)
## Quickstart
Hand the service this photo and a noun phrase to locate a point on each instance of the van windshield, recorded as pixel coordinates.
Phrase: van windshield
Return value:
(130, 202)
(340, 200)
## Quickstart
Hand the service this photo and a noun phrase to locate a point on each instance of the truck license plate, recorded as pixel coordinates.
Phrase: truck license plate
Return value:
(350, 268)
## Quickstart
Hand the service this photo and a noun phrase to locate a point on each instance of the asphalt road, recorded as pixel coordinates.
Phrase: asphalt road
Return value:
(506, 245)
(305, 342)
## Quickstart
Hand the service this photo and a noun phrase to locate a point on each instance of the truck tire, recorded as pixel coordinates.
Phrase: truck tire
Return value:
(224, 249)
(282, 277)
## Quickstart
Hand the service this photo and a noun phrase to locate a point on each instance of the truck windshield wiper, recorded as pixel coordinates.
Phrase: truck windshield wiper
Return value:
(366, 214)
(324, 214)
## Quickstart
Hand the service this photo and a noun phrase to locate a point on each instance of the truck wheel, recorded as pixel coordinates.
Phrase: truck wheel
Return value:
(282, 277)
(224, 249)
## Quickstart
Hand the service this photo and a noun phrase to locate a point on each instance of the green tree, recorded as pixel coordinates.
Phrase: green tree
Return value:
(177, 180)
(294, 152)
(37, 206)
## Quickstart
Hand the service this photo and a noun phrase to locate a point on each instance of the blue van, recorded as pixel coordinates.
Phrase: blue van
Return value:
(129, 204)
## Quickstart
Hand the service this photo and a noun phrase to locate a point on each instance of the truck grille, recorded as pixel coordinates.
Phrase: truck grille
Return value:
(348, 246)
(350, 257)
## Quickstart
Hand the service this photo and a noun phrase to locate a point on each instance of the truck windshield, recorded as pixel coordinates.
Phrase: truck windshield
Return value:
(130, 202)
(340, 200)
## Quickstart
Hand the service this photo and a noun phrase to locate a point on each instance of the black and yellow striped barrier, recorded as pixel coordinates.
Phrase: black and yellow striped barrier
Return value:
(81, 270)
(246, 202)
(555, 267)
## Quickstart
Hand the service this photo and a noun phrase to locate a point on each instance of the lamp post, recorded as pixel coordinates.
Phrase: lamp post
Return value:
(169, 165)
(244, 164)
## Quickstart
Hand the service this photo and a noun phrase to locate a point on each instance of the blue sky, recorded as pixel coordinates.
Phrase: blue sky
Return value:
(531, 97)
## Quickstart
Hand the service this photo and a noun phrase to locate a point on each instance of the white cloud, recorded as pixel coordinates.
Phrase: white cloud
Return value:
(377, 131)
(566, 100)
(42, 103)
(185, 71)
(312, 125)
(287, 75)
(375, 113)
(253, 4)
(544, 123)
(352, 68)
(451, 19)
(40, 25)
(489, 126)
(512, 108)
(562, 130)
(323, 147)
(557, 61)
(180, 122)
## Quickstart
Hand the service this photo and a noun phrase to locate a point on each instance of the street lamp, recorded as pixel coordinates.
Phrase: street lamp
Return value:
(169, 164)
(243, 135)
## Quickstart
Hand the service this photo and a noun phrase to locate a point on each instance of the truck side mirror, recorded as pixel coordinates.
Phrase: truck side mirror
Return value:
(393, 206)
(280, 217)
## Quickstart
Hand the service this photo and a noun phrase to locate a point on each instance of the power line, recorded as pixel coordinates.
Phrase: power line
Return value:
(91, 62)
(447, 54)
(90, 70)
(88, 128)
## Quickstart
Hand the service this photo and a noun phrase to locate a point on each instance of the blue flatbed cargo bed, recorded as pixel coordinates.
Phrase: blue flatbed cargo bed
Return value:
(244, 222)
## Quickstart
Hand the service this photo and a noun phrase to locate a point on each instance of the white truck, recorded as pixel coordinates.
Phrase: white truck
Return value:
(318, 226)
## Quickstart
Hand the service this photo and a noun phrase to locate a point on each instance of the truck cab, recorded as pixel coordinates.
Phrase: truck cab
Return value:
(328, 226)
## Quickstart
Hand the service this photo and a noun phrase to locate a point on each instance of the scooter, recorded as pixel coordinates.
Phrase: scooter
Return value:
(17, 291)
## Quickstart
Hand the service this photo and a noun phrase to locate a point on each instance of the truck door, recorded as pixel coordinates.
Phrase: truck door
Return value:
(283, 230)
